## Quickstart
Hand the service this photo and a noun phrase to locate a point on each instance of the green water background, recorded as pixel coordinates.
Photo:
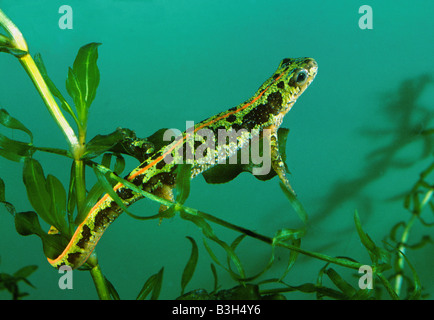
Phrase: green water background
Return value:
(165, 62)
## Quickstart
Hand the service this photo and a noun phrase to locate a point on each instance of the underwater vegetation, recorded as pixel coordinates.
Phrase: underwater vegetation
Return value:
(409, 124)
(390, 275)
(10, 282)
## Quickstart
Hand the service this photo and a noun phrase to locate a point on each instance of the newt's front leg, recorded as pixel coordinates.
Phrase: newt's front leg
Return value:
(277, 162)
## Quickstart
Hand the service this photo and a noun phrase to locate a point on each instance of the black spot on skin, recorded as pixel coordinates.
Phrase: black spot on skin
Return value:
(160, 165)
(274, 102)
(138, 180)
(143, 164)
(286, 60)
(85, 235)
(257, 116)
(156, 155)
(101, 219)
(197, 144)
(216, 130)
(72, 257)
(231, 118)
(237, 126)
(167, 178)
(281, 85)
(124, 193)
(150, 159)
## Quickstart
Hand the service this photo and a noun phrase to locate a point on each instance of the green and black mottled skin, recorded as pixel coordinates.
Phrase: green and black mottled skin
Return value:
(156, 174)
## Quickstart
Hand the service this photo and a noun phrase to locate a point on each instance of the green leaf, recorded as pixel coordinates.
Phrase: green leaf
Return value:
(153, 284)
(112, 290)
(209, 233)
(119, 164)
(58, 203)
(2, 191)
(231, 255)
(295, 203)
(87, 72)
(380, 257)
(292, 258)
(191, 265)
(52, 87)
(15, 150)
(37, 192)
(27, 223)
(12, 149)
(417, 286)
(102, 143)
(8, 46)
(339, 282)
(83, 80)
(101, 176)
(5, 41)
(73, 88)
(108, 188)
(157, 285)
(364, 238)
(12, 123)
(215, 276)
(25, 272)
(183, 182)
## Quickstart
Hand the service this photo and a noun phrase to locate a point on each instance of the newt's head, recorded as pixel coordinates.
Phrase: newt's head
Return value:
(293, 76)
(279, 93)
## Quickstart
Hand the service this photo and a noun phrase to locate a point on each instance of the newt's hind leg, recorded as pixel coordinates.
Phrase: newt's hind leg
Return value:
(165, 192)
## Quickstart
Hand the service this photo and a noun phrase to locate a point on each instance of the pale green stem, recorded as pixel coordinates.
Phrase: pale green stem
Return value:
(80, 186)
(404, 238)
(32, 70)
(98, 278)
(402, 248)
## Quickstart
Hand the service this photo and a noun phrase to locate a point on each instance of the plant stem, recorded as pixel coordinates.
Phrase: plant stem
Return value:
(80, 184)
(401, 251)
(35, 75)
(339, 261)
(12, 29)
(98, 278)
(32, 70)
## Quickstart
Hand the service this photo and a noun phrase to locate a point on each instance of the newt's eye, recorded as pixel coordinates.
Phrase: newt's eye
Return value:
(300, 77)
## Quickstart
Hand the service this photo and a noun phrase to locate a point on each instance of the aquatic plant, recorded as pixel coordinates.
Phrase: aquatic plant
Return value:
(65, 208)
(10, 282)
